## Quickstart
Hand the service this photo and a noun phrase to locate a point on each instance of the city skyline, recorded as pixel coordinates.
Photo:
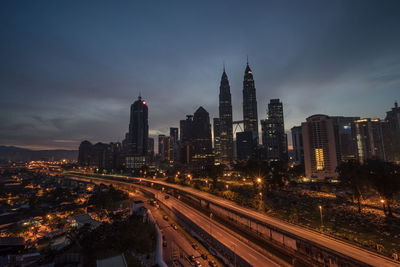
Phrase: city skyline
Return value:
(78, 85)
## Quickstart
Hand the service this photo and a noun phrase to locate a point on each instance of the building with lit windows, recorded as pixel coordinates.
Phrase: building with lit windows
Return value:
(135, 144)
(369, 137)
(225, 120)
(250, 115)
(319, 144)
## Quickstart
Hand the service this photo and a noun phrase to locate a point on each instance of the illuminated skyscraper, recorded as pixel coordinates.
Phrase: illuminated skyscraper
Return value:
(319, 144)
(225, 120)
(250, 116)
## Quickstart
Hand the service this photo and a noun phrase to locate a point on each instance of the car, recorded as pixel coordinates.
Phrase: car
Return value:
(212, 263)
(204, 256)
(165, 217)
(197, 264)
(166, 197)
(191, 258)
(174, 226)
(196, 247)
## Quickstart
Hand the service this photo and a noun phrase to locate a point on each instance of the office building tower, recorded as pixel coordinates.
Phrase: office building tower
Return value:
(196, 139)
(319, 143)
(244, 145)
(250, 116)
(135, 145)
(137, 137)
(217, 140)
(173, 132)
(369, 136)
(225, 120)
(274, 138)
(297, 142)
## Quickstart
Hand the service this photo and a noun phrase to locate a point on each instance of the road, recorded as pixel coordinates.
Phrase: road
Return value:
(221, 233)
(322, 240)
(178, 247)
(218, 231)
(339, 246)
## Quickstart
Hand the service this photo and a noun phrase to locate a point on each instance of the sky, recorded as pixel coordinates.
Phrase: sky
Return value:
(69, 70)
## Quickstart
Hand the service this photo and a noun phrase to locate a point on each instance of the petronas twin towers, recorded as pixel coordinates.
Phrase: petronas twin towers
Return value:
(223, 127)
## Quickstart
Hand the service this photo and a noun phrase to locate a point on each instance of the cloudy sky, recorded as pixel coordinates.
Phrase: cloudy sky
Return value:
(69, 70)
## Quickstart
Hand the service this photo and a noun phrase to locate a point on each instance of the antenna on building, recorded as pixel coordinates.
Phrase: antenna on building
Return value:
(395, 104)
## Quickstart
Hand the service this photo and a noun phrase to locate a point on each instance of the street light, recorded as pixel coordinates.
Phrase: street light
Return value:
(320, 212)
(227, 186)
(259, 180)
(383, 206)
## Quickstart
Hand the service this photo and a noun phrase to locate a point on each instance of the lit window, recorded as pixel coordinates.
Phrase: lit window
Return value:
(319, 158)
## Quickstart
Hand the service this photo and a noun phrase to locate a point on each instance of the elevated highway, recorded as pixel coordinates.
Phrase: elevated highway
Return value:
(307, 246)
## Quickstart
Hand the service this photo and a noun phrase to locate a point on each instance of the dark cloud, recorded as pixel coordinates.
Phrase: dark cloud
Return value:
(69, 71)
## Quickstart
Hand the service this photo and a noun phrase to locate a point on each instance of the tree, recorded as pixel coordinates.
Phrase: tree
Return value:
(385, 179)
(352, 175)
(214, 172)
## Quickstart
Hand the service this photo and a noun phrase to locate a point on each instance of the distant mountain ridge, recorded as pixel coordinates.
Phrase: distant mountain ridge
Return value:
(12, 153)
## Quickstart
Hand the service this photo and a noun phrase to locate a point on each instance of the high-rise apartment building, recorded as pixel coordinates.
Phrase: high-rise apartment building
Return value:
(345, 140)
(319, 143)
(369, 137)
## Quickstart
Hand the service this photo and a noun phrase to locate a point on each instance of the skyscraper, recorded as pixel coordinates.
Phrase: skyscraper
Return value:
(225, 119)
(274, 138)
(135, 145)
(250, 117)
(244, 145)
(196, 141)
(173, 132)
(319, 142)
(201, 138)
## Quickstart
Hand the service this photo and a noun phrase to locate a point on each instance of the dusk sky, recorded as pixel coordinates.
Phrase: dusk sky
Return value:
(70, 70)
